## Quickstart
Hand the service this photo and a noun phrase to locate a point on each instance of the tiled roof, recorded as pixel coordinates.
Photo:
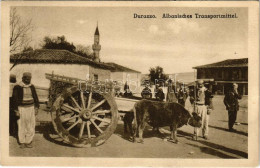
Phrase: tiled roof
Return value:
(243, 62)
(120, 68)
(51, 56)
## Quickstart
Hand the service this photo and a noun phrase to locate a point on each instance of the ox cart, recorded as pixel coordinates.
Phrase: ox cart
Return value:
(85, 113)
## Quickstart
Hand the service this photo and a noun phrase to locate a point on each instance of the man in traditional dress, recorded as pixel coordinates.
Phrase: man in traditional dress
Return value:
(182, 95)
(25, 105)
(203, 108)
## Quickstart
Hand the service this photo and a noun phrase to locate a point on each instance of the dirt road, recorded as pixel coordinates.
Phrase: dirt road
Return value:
(222, 144)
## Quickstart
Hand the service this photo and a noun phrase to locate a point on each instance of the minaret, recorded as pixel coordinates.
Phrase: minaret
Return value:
(96, 46)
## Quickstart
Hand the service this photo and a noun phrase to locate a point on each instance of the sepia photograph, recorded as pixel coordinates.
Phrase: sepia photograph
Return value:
(133, 82)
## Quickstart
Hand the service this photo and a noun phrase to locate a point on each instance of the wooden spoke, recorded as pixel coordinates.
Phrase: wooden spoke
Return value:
(99, 104)
(84, 119)
(82, 100)
(73, 99)
(101, 112)
(100, 119)
(89, 99)
(72, 108)
(67, 119)
(93, 122)
(82, 129)
(73, 125)
(88, 124)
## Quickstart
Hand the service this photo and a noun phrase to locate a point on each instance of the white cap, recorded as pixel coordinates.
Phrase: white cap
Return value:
(200, 81)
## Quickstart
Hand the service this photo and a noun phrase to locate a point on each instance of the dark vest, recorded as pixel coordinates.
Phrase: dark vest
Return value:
(18, 97)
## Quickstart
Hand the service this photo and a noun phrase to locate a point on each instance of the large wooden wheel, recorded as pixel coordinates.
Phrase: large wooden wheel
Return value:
(84, 118)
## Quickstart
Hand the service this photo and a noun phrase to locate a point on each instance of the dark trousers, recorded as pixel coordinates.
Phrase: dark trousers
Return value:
(232, 117)
(13, 127)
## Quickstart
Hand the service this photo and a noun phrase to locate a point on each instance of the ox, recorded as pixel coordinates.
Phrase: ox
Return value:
(161, 114)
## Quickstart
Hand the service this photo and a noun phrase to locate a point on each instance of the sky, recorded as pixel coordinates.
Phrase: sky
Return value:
(177, 45)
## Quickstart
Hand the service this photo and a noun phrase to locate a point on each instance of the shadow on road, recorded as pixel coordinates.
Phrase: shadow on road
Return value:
(220, 147)
(212, 151)
(224, 129)
(240, 123)
(148, 133)
(46, 128)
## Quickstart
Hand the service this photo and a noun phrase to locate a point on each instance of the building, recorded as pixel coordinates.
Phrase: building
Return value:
(123, 74)
(61, 62)
(224, 73)
(183, 77)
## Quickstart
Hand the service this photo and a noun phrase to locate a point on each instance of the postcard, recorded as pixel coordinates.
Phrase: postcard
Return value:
(129, 84)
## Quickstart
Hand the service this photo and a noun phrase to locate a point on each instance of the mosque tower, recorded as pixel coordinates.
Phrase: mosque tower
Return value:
(96, 46)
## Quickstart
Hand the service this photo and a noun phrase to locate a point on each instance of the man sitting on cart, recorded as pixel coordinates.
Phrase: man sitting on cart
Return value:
(146, 92)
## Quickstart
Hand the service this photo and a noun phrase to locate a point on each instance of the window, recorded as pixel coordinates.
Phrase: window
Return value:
(244, 73)
(95, 77)
(219, 74)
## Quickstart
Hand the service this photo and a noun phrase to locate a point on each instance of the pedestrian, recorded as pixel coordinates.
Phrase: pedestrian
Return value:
(232, 106)
(171, 95)
(26, 105)
(146, 92)
(182, 95)
(202, 108)
(159, 95)
(127, 90)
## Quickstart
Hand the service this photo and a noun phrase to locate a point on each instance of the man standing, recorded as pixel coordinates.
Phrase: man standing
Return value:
(182, 95)
(202, 109)
(231, 103)
(26, 105)
(171, 95)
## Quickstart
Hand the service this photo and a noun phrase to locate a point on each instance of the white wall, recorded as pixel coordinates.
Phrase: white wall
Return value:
(103, 74)
(134, 80)
(38, 72)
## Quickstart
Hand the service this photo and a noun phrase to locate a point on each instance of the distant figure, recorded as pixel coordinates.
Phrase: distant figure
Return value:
(182, 95)
(117, 89)
(127, 90)
(171, 95)
(146, 92)
(25, 105)
(159, 95)
(191, 94)
(232, 105)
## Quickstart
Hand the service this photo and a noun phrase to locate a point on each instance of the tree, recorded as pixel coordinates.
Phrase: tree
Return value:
(85, 51)
(157, 75)
(19, 32)
(29, 48)
(58, 43)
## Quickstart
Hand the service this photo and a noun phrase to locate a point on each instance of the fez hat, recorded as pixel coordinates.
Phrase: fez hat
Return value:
(12, 78)
(27, 74)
